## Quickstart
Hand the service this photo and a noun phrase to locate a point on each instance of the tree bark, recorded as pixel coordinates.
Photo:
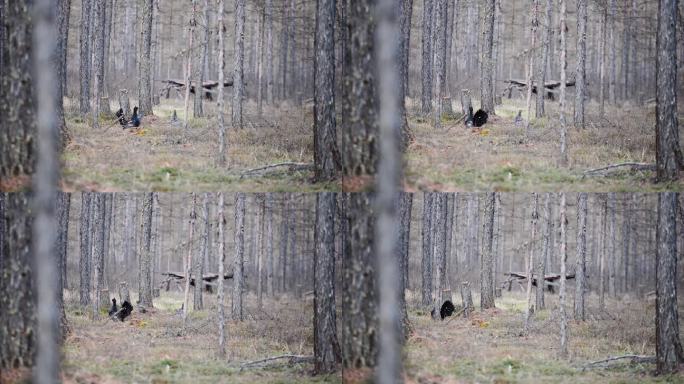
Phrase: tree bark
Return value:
(668, 151)
(98, 240)
(147, 251)
(530, 67)
(145, 73)
(188, 260)
(427, 57)
(486, 266)
(238, 67)
(359, 301)
(188, 65)
(326, 156)
(580, 71)
(581, 256)
(326, 348)
(439, 249)
(541, 263)
(98, 58)
(543, 59)
(487, 65)
(530, 261)
(221, 157)
(563, 162)
(269, 245)
(85, 247)
(564, 258)
(426, 260)
(238, 267)
(221, 259)
(85, 57)
(669, 353)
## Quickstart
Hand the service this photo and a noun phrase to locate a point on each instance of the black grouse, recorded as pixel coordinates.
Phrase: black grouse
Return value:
(114, 308)
(126, 309)
(480, 118)
(120, 116)
(447, 309)
(135, 119)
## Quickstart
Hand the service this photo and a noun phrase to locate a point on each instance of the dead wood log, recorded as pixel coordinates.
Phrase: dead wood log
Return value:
(604, 171)
(633, 359)
(291, 359)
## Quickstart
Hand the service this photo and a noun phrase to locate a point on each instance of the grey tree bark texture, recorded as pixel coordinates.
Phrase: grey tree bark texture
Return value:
(543, 58)
(46, 249)
(17, 127)
(669, 353)
(540, 267)
(221, 156)
(198, 265)
(669, 159)
(581, 255)
(85, 249)
(188, 66)
(326, 155)
(220, 297)
(439, 18)
(487, 263)
(530, 260)
(238, 266)
(439, 249)
(85, 57)
(580, 71)
(359, 334)
(98, 62)
(387, 239)
(188, 260)
(327, 353)
(561, 296)
(238, 64)
(147, 252)
(427, 58)
(358, 144)
(145, 73)
(60, 60)
(487, 65)
(98, 240)
(426, 259)
(563, 162)
(405, 206)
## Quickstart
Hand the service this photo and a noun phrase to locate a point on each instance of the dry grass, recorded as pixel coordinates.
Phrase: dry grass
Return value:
(162, 157)
(501, 157)
(487, 347)
(154, 347)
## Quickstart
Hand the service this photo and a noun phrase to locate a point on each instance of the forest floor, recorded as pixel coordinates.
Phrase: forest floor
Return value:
(160, 156)
(488, 347)
(501, 157)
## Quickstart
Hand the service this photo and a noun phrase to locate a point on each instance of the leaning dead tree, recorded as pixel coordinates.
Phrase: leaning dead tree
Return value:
(550, 279)
(209, 87)
(551, 88)
(210, 280)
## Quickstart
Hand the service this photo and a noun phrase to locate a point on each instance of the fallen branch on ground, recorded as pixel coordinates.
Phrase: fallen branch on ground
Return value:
(293, 167)
(631, 166)
(292, 359)
(634, 359)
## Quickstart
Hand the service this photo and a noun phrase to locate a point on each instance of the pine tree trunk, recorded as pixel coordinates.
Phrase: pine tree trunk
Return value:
(145, 73)
(359, 302)
(269, 51)
(580, 71)
(439, 30)
(326, 156)
(269, 245)
(326, 348)
(238, 266)
(62, 208)
(581, 256)
(564, 258)
(17, 300)
(201, 63)
(405, 205)
(530, 261)
(669, 353)
(439, 247)
(85, 247)
(221, 157)
(530, 66)
(85, 56)
(188, 65)
(221, 254)
(147, 252)
(487, 68)
(668, 151)
(405, 13)
(427, 57)
(98, 240)
(543, 59)
(426, 260)
(541, 263)
(486, 268)
(188, 260)
(238, 65)
(199, 262)
(60, 60)
(563, 162)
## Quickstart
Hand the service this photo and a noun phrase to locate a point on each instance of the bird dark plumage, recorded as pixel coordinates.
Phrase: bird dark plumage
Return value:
(447, 309)
(114, 308)
(469, 118)
(120, 116)
(135, 119)
(126, 309)
(480, 118)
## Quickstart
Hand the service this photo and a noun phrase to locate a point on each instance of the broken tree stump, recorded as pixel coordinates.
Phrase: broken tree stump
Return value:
(467, 298)
(123, 292)
(466, 103)
(124, 102)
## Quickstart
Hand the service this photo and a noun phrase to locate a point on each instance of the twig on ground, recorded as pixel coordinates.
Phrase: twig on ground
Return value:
(292, 359)
(634, 359)
(609, 168)
(455, 315)
(292, 167)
